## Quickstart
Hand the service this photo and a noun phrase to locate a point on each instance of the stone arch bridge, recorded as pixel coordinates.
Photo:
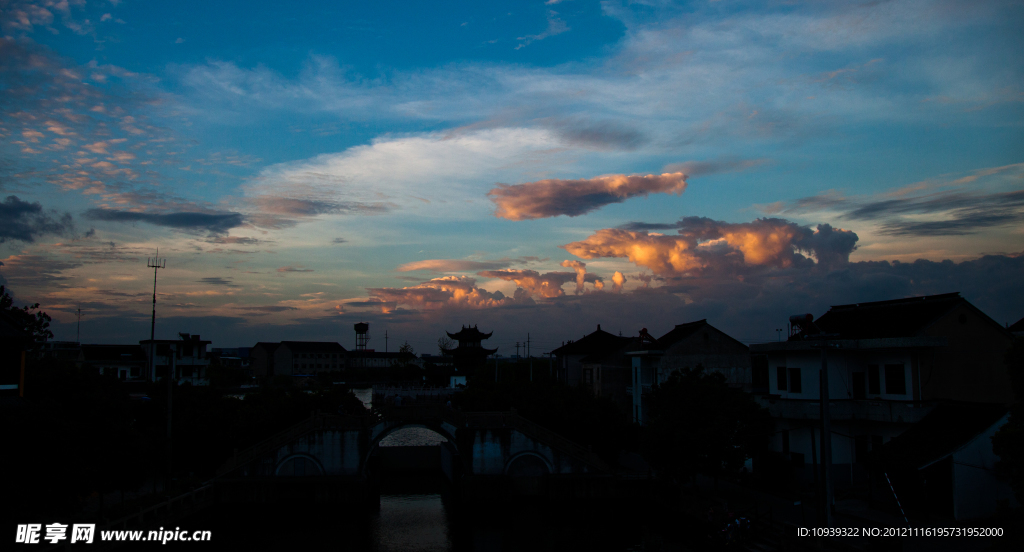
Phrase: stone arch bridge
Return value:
(487, 454)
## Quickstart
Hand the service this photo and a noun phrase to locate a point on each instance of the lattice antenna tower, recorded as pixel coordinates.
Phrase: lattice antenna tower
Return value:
(156, 263)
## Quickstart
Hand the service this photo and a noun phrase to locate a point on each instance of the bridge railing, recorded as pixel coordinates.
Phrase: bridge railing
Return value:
(313, 423)
(513, 420)
(555, 440)
(416, 413)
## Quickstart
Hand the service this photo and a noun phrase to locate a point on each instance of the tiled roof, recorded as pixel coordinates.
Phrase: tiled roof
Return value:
(881, 319)
(598, 342)
(468, 333)
(1017, 326)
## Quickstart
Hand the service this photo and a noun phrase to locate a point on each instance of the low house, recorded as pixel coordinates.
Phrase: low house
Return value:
(261, 359)
(689, 345)
(595, 346)
(369, 358)
(944, 464)
(63, 352)
(125, 362)
(889, 363)
(187, 355)
(304, 358)
(1017, 328)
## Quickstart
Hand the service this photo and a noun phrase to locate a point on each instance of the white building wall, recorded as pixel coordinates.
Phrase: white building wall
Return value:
(976, 490)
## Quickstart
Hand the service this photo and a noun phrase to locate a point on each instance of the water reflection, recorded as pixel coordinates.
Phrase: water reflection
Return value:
(411, 522)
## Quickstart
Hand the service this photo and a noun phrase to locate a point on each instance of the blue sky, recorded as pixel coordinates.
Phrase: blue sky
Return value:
(531, 167)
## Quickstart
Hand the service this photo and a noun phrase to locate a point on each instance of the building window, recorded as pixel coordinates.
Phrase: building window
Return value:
(795, 383)
(781, 377)
(859, 385)
(759, 373)
(588, 375)
(874, 384)
(895, 379)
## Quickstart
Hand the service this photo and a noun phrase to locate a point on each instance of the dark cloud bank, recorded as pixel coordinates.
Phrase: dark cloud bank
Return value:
(21, 220)
(215, 223)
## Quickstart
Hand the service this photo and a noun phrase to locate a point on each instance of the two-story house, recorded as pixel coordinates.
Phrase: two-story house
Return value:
(889, 363)
(187, 355)
(690, 345)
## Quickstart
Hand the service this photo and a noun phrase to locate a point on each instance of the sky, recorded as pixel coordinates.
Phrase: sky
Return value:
(533, 168)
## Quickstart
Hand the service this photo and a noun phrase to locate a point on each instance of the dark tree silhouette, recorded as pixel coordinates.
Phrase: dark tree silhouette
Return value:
(698, 424)
(28, 317)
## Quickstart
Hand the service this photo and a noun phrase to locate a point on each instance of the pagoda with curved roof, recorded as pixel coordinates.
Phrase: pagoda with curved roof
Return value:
(470, 354)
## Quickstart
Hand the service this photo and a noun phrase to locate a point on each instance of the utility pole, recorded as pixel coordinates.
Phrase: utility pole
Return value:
(517, 351)
(172, 365)
(156, 264)
(385, 341)
(528, 355)
(78, 332)
(826, 441)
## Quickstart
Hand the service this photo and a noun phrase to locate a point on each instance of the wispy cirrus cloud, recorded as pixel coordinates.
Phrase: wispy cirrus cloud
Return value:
(462, 265)
(555, 27)
(955, 205)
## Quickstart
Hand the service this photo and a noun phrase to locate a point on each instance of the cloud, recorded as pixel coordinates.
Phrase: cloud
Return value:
(235, 240)
(264, 310)
(553, 197)
(294, 269)
(618, 279)
(24, 221)
(604, 135)
(218, 281)
(339, 241)
(448, 291)
(985, 198)
(462, 265)
(703, 168)
(531, 283)
(215, 223)
(961, 213)
(555, 27)
(420, 173)
(704, 246)
(581, 275)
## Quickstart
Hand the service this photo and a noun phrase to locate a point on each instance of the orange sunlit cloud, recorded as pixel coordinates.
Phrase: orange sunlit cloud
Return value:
(704, 244)
(553, 197)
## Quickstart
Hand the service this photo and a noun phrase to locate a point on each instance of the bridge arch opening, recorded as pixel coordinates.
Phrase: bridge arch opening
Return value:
(390, 438)
(528, 464)
(299, 465)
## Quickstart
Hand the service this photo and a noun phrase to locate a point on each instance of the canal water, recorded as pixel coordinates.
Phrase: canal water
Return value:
(420, 512)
